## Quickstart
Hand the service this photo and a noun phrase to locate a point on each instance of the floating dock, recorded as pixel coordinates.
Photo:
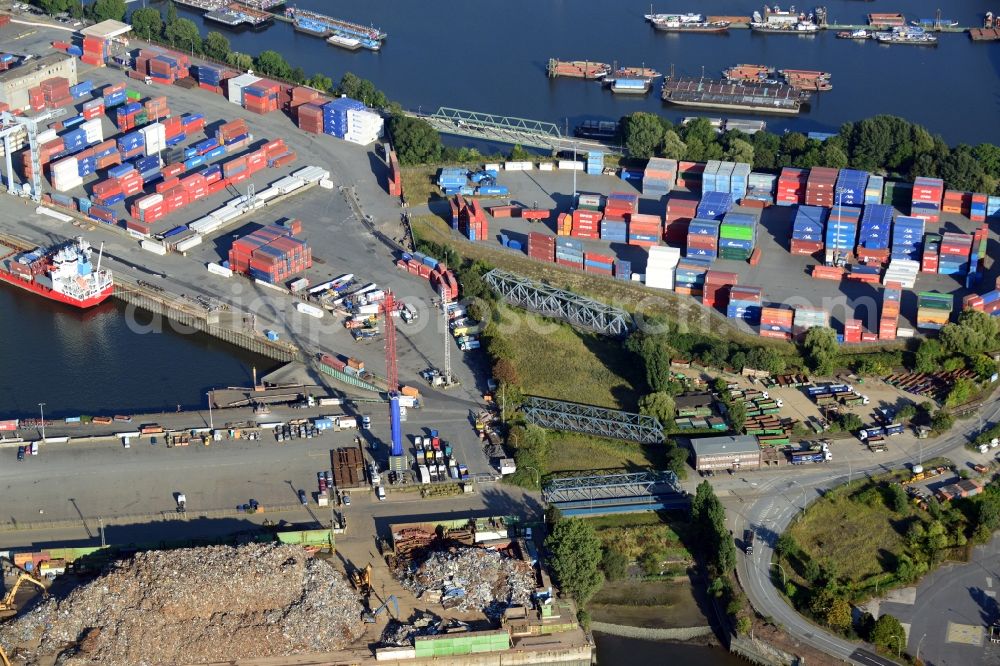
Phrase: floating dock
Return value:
(234, 14)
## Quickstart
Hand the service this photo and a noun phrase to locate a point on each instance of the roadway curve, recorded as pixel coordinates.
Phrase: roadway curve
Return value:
(772, 508)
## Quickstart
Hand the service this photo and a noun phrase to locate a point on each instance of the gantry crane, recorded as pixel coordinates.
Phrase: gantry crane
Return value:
(8, 125)
(392, 375)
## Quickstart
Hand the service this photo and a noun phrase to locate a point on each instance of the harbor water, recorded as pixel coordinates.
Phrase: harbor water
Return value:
(93, 361)
(481, 57)
(618, 651)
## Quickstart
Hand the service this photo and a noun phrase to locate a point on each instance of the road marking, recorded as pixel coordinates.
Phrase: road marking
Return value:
(989, 581)
(969, 634)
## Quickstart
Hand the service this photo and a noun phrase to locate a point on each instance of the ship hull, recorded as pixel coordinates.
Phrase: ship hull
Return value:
(735, 107)
(713, 30)
(906, 42)
(45, 292)
(779, 31)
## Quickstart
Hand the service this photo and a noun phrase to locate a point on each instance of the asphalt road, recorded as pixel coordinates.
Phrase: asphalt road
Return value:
(770, 509)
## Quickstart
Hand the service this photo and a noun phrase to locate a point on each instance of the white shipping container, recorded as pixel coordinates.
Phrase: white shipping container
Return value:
(149, 200)
(63, 184)
(326, 184)
(153, 246)
(237, 84)
(268, 194)
(188, 243)
(310, 310)
(370, 309)
(42, 210)
(570, 165)
(493, 167)
(219, 269)
(45, 136)
(545, 166)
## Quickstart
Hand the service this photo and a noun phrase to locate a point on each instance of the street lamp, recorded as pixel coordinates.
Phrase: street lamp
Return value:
(899, 646)
(784, 579)
(919, 643)
(538, 478)
(41, 408)
(211, 419)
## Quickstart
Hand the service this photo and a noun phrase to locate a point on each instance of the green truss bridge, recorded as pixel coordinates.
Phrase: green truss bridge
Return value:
(508, 129)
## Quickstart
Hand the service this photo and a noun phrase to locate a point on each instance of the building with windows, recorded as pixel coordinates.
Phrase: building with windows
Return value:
(727, 452)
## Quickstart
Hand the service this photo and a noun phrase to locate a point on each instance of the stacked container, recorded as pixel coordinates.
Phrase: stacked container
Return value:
(977, 207)
(261, 97)
(875, 234)
(620, 205)
(395, 179)
(589, 201)
(472, 221)
(541, 246)
(623, 269)
(209, 77)
(708, 177)
(364, 127)
(65, 174)
(889, 319)
(791, 188)
(907, 237)
(841, 231)
(660, 267)
(154, 138)
(569, 252)
(926, 198)
(760, 187)
(929, 260)
(821, 186)
(233, 134)
(94, 51)
(564, 224)
(933, 309)
(452, 179)
(644, 230)
(807, 230)
(776, 323)
(113, 95)
(954, 254)
(852, 331)
(873, 190)
(310, 118)
(902, 272)
(992, 206)
(601, 264)
(680, 212)
(956, 202)
(851, 187)
(689, 276)
(659, 176)
(587, 224)
(715, 293)
(612, 230)
(703, 239)
(335, 119)
(595, 163)
(714, 205)
(270, 254)
(745, 303)
(988, 302)
(739, 181)
(690, 175)
(809, 317)
(737, 236)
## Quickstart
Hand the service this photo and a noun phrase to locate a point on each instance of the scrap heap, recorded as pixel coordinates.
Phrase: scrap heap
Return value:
(468, 579)
(196, 605)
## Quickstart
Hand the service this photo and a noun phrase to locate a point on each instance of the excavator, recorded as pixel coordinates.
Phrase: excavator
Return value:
(362, 579)
(3, 658)
(7, 604)
(369, 618)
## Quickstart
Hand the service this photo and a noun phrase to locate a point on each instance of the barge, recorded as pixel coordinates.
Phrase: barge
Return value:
(321, 25)
(911, 36)
(776, 21)
(750, 97)
(578, 69)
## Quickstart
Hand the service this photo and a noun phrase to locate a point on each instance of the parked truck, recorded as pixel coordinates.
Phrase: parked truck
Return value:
(813, 455)
(425, 475)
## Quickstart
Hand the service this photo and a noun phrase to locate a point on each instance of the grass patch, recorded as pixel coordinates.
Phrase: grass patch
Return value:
(859, 538)
(419, 185)
(554, 360)
(571, 452)
(634, 532)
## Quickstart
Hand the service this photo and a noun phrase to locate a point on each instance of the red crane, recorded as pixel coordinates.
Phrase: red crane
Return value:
(391, 369)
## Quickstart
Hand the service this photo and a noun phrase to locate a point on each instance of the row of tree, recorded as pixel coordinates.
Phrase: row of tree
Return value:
(99, 10)
(882, 144)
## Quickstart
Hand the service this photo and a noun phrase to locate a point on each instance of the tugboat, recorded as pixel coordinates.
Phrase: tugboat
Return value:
(912, 36)
(776, 21)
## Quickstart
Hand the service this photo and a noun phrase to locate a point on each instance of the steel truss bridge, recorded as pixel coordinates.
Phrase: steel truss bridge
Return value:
(591, 420)
(609, 487)
(508, 129)
(572, 308)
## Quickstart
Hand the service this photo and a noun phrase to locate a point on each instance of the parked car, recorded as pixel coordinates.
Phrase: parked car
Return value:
(347, 499)
(20, 453)
(302, 498)
(366, 422)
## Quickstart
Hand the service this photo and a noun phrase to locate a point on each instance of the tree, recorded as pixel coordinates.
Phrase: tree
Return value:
(699, 129)
(736, 415)
(907, 411)
(574, 553)
(655, 354)
(643, 134)
(988, 156)
(107, 10)
(960, 392)
(519, 154)
(740, 150)
(659, 405)
(942, 421)
(651, 560)
(766, 147)
(171, 12)
(240, 61)
(184, 34)
(888, 633)
(272, 63)
(614, 563)
(897, 498)
(793, 143)
(362, 89)
(415, 140)
(839, 615)
(928, 355)
(961, 171)
(216, 46)
(820, 350)
(831, 155)
(786, 545)
(983, 366)
(765, 358)
(147, 22)
(708, 520)
(673, 146)
(323, 83)
(850, 422)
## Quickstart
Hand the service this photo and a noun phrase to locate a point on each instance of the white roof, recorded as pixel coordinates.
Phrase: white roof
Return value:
(107, 29)
(244, 80)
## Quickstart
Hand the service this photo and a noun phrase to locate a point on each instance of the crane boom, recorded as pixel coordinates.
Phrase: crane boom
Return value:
(8, 600)
(392, 375)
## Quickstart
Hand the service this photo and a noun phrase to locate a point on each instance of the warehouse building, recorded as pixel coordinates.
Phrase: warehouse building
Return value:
(728, 452)
(15, 83)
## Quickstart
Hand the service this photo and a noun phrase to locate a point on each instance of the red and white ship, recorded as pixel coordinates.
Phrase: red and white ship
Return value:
(63, 273)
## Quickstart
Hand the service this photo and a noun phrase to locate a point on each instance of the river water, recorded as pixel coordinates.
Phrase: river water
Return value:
(617, 651)
(491, 57)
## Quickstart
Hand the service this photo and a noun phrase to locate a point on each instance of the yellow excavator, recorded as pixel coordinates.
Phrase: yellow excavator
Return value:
(3, 657)
(362, 579)
(7, 604)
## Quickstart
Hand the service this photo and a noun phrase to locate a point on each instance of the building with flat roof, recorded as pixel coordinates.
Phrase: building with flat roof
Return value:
(727, 452)
(15, 83)
(107, 29)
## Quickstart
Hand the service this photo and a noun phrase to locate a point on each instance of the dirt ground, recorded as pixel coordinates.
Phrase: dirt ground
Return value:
(653, 604)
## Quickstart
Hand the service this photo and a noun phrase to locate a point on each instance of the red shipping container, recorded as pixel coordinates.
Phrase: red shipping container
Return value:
(166, 184)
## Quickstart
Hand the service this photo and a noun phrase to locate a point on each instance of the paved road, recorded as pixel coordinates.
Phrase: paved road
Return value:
(771, 508)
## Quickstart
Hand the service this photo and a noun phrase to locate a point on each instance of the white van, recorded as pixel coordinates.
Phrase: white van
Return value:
(380, 493)
(34, 448)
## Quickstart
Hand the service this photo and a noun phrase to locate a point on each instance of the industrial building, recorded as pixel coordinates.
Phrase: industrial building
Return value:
(728, 452)
(15, 83)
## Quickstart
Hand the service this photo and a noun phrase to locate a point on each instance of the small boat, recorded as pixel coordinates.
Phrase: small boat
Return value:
(344, 42)
(631, 86)
(854, 34)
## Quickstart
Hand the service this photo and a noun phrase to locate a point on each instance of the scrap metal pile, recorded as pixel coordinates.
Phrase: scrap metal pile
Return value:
(196, 605)
(467, 579)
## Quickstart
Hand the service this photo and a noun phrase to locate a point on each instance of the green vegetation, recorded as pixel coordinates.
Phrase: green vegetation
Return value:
(104, 10)
(630, 534)
(571, 452)
(73, 7)
(574, 557)
(820, 349)
(416, 142)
